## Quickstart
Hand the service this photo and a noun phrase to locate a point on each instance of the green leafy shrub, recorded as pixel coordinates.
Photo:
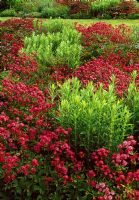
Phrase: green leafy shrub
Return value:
(29, 6)
(16, 4)
(133, 16)
(98, 118)
(105, 16)
(135, 43)
(56, 11)
(34, 14)
(8, 13)
(135, 34)
(132, 100)
(47, 8)
(100, 7)
(41, 4)
(55, 48)
(81, 15)
(76, 16)
(51, 25)
(121, 16)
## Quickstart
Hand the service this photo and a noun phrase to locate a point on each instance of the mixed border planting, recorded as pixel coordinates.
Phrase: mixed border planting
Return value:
(69, 97)
(74, 9)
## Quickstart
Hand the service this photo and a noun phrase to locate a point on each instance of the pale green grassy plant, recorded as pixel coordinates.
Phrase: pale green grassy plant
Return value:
(60, 48)
(98, 118)
(132, 99)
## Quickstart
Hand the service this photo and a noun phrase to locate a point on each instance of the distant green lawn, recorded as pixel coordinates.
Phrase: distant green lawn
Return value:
(130, 22)
(113, 22)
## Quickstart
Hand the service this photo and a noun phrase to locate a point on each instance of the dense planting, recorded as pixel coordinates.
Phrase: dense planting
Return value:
(53, 49)
(82, 9)
(68, 116)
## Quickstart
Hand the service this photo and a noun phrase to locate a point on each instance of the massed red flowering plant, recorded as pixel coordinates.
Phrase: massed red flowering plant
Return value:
(102, 38)
(36, 157)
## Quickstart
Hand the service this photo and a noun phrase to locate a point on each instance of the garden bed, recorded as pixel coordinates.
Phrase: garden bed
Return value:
(69, 97)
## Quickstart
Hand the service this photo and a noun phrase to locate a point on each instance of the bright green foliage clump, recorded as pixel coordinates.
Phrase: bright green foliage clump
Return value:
(102, 6)
(98, 118)
(56, 11)
(55, 48)
(8, 13)
(132, 100)
(52, 25)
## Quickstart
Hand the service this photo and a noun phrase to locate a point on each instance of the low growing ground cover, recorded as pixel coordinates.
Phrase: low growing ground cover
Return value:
(69, 97)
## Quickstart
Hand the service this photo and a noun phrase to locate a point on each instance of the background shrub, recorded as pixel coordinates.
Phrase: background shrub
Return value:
(81, 15)
(101, 7)
(29, 6)
(133, 16)
(56, 11)
(41, 4)
(124, 8)
(34, 15)
(114, 8)
(8, 13)
(105, 16)
(47, 8)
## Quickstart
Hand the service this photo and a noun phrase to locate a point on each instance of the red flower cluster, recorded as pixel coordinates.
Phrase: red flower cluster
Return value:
(108, 195)
(31, 97)
(60, 73)
(101, 71)
(120, 34)
(126, 157)
(125, 154)
(12, 42)
(17, 26)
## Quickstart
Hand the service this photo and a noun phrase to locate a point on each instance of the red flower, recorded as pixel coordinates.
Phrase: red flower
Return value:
(35, 162)
(91, 174)
(33, 171)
